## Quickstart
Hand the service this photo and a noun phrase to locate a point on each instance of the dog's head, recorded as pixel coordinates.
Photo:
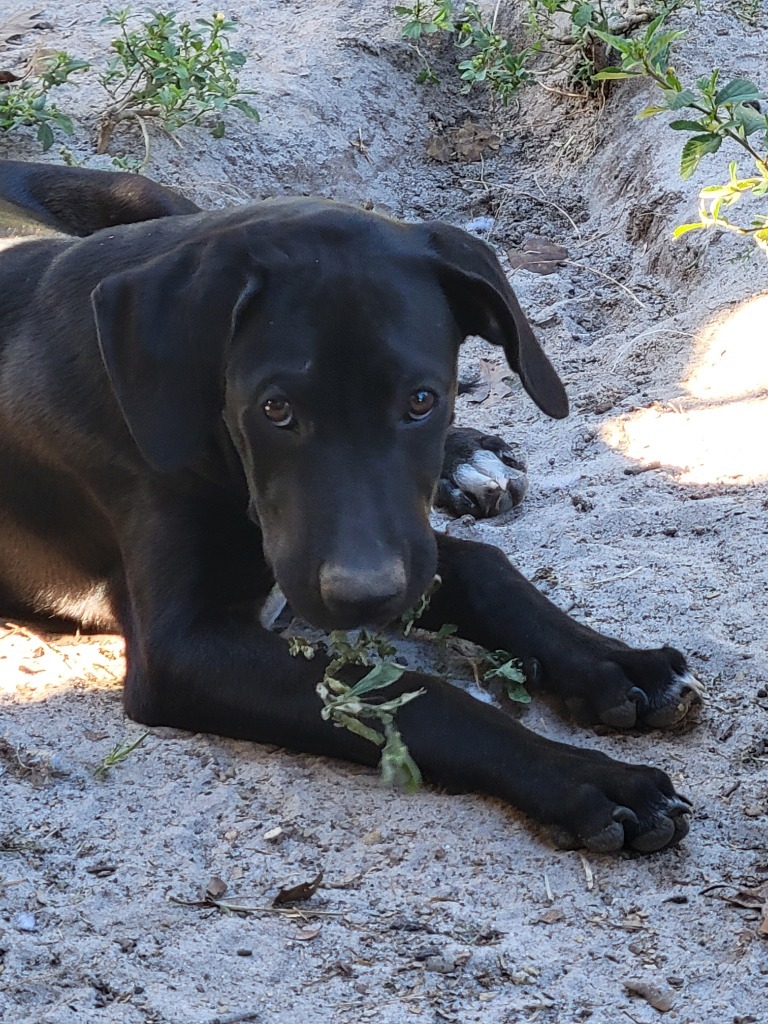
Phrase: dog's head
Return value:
(326, 340)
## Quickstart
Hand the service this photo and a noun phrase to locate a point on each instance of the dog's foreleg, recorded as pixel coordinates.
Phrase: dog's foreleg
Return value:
(599, 679)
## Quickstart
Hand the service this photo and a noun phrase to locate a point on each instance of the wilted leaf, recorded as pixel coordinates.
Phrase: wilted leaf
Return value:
(397, 766)
(538, 256)
(8, 76)
(298, 893)
(307, 934)
(216, 888)
(517, 692)
(510, 669)
(695, 149)
(747, 899)
(468, 143)
(493, 385)
(359, 728)
(551, 916)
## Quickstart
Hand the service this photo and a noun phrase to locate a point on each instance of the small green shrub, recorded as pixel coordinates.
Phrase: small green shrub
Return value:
(25, 102)
(564, 34)
(353, 705)
(493, 62)
(172, 72)
(573, 30)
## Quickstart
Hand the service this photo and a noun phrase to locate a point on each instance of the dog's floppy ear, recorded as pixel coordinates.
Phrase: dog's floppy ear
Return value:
(484, 304)
(163, 329)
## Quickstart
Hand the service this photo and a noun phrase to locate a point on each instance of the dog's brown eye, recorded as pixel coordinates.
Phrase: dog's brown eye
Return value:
(421, 403)
(279, 411)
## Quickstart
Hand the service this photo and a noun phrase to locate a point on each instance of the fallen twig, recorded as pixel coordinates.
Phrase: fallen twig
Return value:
(237, 908)
(234, 1018)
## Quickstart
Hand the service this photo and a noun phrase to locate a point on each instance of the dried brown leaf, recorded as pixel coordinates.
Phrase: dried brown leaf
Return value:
(298, 893)
(469, 143)
(40, 60)
(307, 934)
(493, 385)
(538, 256)
(216, 888)
(551, 916)
(16, 25)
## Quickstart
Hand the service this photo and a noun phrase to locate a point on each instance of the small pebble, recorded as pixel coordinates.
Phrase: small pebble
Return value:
(480, 225)
(25, 922)
(441, 964)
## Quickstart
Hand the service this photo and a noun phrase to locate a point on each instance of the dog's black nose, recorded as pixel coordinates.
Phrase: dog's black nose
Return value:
(361, 594)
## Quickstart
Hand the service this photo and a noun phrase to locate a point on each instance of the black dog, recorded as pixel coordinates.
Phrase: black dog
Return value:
(196, 406)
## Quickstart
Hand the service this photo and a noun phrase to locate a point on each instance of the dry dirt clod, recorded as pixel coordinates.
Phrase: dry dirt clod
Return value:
(657, 996)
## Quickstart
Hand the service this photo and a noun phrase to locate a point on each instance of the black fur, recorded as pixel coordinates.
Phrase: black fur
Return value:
(145, 489)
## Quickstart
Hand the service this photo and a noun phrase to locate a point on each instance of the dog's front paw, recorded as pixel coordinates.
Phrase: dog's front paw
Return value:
(482, 475)
(606, 806)
(622, 687)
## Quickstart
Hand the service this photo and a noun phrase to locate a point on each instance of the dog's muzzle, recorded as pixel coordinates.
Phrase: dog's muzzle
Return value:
(360, 594)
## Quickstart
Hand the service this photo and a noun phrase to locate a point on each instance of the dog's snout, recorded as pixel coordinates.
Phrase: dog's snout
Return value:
(361, 593)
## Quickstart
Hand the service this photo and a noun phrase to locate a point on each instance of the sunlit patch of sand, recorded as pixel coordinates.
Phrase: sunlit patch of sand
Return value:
(33, 663)
(718, 430)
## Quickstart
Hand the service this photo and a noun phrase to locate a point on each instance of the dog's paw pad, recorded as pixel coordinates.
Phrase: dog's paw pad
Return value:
(482, 476)
(659, 820)
(653, 689)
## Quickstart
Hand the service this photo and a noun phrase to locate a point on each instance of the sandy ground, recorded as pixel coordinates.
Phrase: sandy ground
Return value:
(646, 518)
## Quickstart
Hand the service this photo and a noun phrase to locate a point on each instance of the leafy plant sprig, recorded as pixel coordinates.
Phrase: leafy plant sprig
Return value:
(493, 62)
(579, 39)
(25, 101)
(350, 706)
(501, 665)
(117, 755)
(426, 17)
(729, 112)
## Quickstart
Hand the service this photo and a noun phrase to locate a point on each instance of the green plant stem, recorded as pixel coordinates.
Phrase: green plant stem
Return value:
(761, 162)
